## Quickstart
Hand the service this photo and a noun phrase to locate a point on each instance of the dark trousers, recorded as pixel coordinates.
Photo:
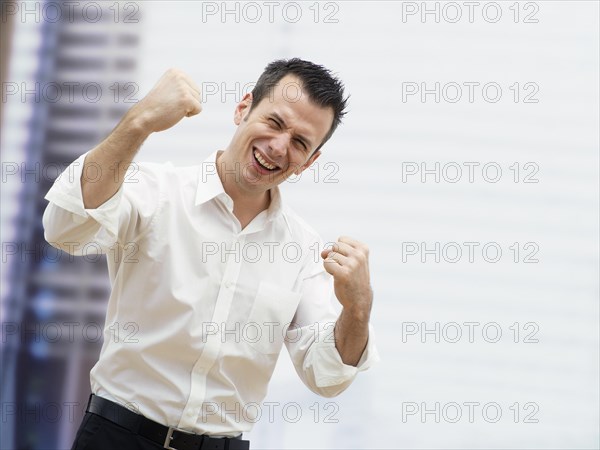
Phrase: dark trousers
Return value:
(97, 433)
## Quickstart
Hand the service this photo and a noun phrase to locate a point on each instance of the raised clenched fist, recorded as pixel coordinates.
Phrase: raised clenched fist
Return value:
(174, 97)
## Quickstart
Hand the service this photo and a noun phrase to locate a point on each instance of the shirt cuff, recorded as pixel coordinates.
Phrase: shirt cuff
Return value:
(66, 194)
(328, 367)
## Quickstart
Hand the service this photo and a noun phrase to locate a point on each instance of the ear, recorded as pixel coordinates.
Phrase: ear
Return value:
(242, 108)
(308, 163)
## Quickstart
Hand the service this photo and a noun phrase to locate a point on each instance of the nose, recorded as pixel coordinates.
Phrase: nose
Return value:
(279, 144)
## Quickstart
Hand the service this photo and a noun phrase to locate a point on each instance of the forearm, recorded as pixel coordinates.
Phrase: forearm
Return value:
(174, 97)
(352, 333)
(105, 166)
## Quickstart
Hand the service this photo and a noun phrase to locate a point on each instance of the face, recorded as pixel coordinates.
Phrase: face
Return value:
(278, 138)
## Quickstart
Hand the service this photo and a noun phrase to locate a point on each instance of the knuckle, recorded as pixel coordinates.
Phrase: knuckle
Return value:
(180, 77)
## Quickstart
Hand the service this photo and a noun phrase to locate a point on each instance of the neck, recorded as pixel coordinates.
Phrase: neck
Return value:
(244, 201)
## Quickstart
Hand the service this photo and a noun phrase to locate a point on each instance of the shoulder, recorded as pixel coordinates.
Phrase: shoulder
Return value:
(302, 231)
(160, 174)
(150, 185)
(309, 240)
(154, 168)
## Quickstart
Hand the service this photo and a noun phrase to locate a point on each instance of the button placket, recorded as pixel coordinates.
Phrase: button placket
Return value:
(213, 342)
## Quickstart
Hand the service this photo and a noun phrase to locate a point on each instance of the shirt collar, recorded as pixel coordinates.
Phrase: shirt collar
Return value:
(209, 183)
(210, 186)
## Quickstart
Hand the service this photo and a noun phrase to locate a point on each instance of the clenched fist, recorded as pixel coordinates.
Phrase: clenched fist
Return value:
(174, 97)
(348, 262)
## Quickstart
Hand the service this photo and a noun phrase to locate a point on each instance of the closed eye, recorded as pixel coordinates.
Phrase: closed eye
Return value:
(278, 126)
(301, 143)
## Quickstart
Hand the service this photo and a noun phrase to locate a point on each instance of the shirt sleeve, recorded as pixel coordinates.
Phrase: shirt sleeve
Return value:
(310, 339)
(71, 227)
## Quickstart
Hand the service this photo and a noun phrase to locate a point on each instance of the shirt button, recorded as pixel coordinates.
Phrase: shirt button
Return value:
(229, 285)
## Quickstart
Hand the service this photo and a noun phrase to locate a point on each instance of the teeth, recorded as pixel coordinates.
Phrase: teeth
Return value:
(263, 162)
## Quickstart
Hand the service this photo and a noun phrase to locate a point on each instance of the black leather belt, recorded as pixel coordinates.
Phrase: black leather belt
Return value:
(168, 437)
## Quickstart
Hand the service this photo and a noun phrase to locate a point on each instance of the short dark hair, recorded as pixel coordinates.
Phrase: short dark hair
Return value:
(323, 89)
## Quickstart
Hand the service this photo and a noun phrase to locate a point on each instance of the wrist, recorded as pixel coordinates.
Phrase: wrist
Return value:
(137, 123)
(358, 312)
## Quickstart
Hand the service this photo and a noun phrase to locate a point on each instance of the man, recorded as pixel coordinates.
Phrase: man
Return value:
(201, 270)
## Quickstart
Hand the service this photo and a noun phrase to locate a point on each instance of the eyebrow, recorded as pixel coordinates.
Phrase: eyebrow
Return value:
(299, 136)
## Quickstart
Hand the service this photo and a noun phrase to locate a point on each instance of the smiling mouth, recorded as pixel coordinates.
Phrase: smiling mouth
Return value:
(262, 163)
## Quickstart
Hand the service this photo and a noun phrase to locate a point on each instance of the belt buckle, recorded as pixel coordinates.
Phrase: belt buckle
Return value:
(169, 438)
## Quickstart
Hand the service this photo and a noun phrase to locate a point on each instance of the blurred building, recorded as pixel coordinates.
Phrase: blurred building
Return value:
(74, 77)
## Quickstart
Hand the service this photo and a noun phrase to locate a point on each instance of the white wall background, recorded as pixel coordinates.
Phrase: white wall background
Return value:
(375, 51)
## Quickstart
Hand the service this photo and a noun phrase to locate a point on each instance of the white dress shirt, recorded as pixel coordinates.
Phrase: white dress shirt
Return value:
(199, 308)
